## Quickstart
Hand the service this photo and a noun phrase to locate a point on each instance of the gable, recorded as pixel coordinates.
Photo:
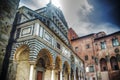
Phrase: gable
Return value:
(23, 18)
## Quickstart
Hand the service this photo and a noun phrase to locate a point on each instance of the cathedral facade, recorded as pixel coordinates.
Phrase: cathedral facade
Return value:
(41, 49)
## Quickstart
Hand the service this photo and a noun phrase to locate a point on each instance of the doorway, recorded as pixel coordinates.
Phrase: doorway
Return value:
(39, 75)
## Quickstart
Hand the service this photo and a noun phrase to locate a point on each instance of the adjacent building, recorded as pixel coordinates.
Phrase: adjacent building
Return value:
(108, 56)
(84, 48)
(100, 53)
(41, 49)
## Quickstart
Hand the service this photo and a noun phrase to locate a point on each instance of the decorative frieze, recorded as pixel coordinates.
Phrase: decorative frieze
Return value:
(47, 37)
(66, 52)
(26, 31)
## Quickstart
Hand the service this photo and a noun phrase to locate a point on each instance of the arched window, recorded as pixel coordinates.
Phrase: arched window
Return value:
(103, 64)
(115, 42)
(114, 63)
(103, 45)
(86, 57)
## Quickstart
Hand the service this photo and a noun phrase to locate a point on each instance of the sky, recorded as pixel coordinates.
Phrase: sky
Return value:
(85, 16)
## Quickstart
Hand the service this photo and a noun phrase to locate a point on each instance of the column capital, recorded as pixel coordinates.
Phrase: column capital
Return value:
(32, 62)
(51, 67)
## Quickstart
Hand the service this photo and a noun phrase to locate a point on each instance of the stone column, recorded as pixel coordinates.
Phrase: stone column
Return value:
(109, 66)
(61, 75)
(109, 69)
(79, 78)
(74, 76)
(52, 75)
(69, 77)
(31, 72)
(119, 64)
(53, 72)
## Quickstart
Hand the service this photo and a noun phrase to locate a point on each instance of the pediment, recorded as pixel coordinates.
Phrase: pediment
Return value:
(23, 18)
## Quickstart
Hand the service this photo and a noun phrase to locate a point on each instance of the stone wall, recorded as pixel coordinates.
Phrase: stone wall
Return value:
(7, 13)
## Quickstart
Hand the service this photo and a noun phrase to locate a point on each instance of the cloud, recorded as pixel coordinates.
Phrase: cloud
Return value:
(33, 4)
(88, 28)
(84, 25)
(86, 7)
(106, 27)
(75, 10)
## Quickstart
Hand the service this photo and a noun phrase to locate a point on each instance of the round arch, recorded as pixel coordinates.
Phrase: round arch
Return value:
(66, 66)
(58, 63)
(21, 56)
(45, 56)
(66, 70)
(44, 65)
(114, 63)
(22, 53)
(103, 64)
(58, 68)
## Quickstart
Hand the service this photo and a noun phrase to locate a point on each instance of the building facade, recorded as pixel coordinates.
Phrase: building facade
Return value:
(41, 49)
(100, 53)
(108, 56)
(8, 10)
(84, 48)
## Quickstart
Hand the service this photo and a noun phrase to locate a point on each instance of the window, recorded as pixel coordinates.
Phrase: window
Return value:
(104, 68)
(87, 69)
(103, 64)
(44, 20)
(48, 23)
(87, 46)
(103, 45)
(86, 57)
(76, 48)
(92, 57)
(91, 69)
(115, 42)
(93, 78)
(58, 45)
(114, 63)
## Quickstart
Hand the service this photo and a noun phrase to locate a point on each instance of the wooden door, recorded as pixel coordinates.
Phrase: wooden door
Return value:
(39, 75)
(58, 75)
